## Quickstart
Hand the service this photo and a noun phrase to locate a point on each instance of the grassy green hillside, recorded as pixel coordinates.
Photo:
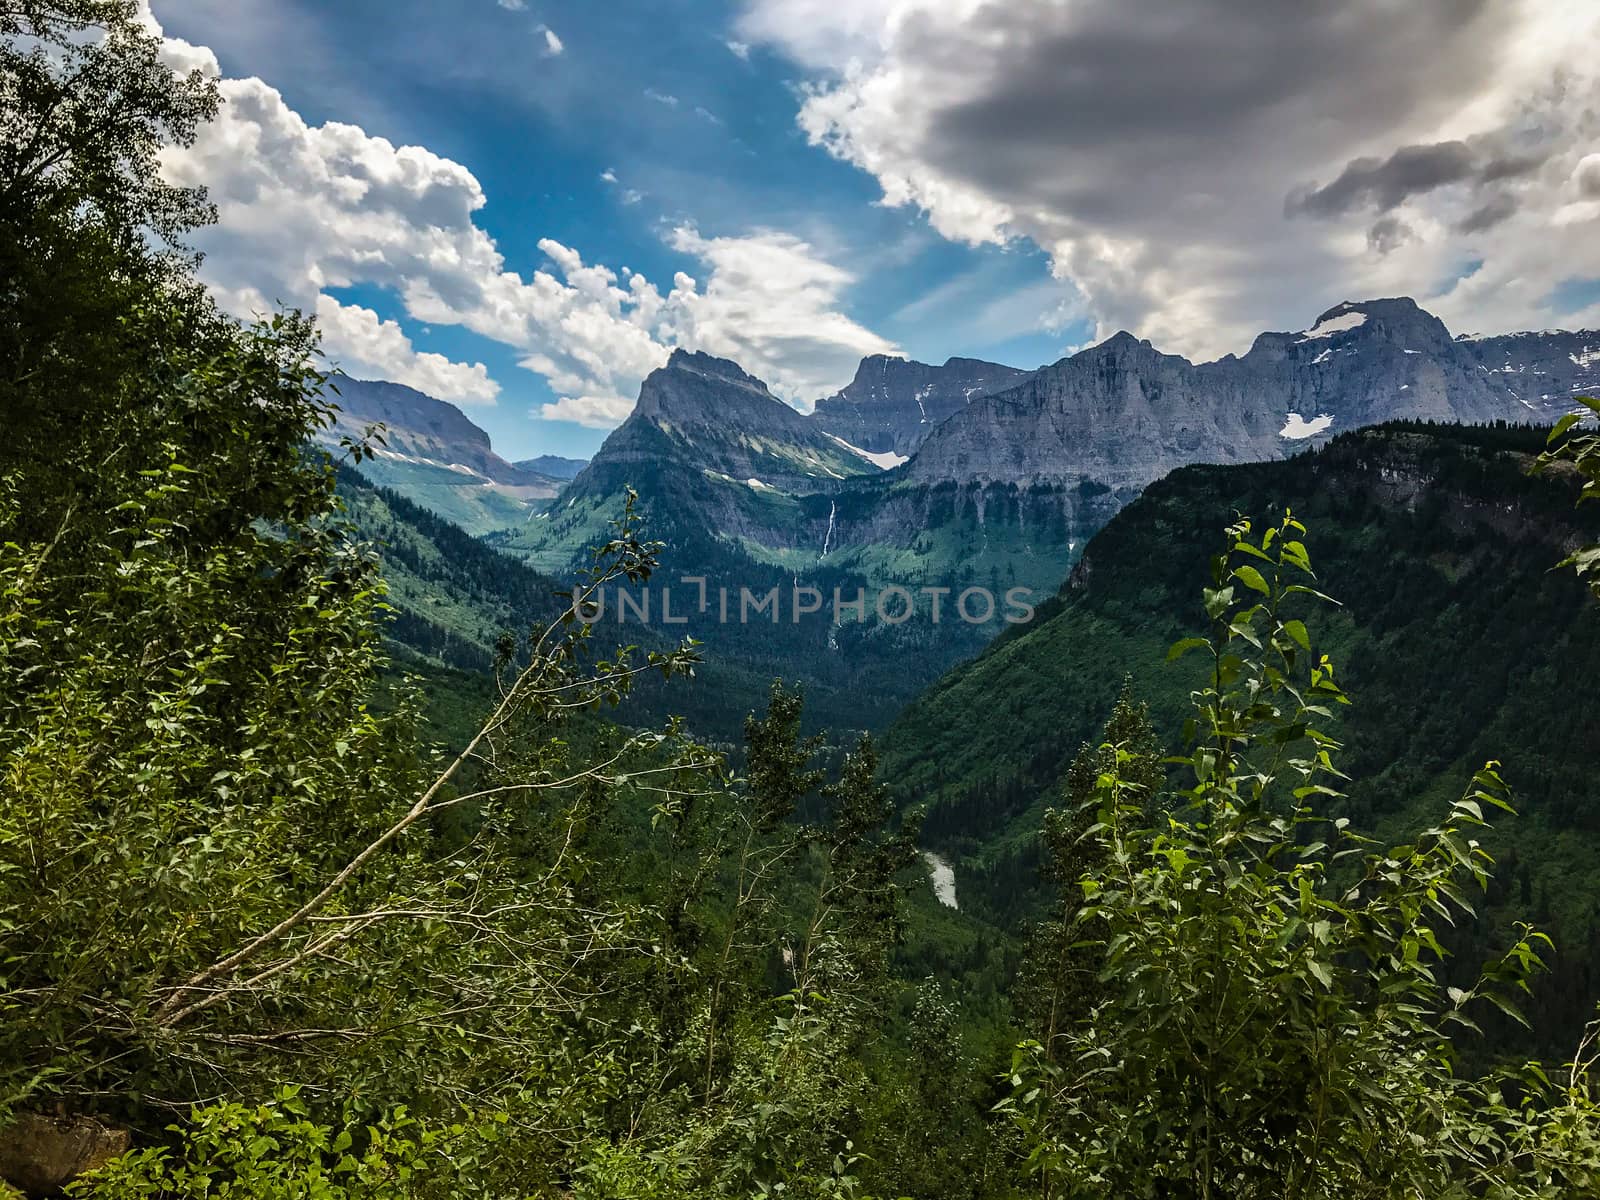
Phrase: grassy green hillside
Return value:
(1458, 642)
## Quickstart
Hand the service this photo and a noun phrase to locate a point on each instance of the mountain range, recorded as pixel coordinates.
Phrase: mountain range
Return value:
(914, 470)
(964, 475)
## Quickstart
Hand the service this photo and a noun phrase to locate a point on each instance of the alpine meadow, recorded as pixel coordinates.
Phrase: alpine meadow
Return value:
(832, 777)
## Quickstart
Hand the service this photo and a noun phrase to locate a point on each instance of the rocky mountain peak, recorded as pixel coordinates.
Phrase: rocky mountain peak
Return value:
(1399, 320)
(1122, 349)
(698, 362)
(893, 403)
(366, 401)
(696, 389)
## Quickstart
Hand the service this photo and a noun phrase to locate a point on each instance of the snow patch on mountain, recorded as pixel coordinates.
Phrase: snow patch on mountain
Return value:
(884, 461)
(1329, 326)
(1297, 427)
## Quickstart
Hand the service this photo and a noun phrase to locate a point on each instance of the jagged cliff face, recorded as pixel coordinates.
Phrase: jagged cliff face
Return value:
(893, 404)
(709, 414)
(1541, 371)
(418, 426)
(708, 448)
(1122, 414)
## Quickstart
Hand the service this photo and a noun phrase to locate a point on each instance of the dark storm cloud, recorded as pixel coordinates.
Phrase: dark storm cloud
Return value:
(1388, 234)
(1488, 214)
(1385, 184)
(1148, 146)
(1086, 106)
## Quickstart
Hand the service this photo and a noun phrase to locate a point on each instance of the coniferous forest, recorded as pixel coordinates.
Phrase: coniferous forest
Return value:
(305, 893)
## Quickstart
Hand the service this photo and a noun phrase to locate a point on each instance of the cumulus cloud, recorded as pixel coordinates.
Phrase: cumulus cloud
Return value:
(740, 50)
(1200, 171)
(762, 288)
(552, 44)
(306, 210)
(361, 344)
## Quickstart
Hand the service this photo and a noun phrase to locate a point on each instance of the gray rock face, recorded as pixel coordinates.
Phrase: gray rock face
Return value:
(419, 427)
(42, 1154)
(1012, 483)
(1542, 371)
(1122, 414)
(710, 414)
(893, 403)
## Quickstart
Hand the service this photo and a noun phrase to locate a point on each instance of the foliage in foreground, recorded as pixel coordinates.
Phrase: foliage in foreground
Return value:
(248, 913)
(1579, 451)
(1274, 1021)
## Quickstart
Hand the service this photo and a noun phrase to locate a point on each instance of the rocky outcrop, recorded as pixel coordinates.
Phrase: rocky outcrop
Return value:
(893, 404)
(42, 1154)
(433, 455)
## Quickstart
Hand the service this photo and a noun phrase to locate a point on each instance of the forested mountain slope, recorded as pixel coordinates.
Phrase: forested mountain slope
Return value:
(1457, 642)
(453, 596)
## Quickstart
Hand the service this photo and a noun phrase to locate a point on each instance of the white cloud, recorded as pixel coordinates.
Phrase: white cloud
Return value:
(1587, 177)
(665, 98)
(514, 5)
(362, 345)
(1150, 148)
(552, 44)
(738, 49)
(178, 54)
(306, 209)
(626, 195)
(762, 289)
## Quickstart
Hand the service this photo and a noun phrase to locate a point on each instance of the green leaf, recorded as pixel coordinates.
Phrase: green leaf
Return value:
(1252, 579)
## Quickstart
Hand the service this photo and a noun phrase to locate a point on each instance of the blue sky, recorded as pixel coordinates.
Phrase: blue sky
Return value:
(522, 206)
(473, 82)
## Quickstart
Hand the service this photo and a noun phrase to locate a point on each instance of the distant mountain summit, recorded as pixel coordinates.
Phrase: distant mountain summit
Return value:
(714, 418)
(432, 454)
(1004, 474)
(552, 465)
(978, 476)
(893, 404)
